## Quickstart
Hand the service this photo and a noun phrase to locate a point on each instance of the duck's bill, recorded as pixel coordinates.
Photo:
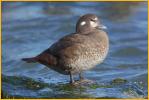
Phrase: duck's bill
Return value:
(102, 27)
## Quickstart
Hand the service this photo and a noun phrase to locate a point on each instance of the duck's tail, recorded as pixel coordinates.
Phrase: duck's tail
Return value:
(30, 60)
(44, 58)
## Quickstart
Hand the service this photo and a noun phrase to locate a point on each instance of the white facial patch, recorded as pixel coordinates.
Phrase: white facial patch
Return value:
(93, 24)
(95, 18)
(83, 23)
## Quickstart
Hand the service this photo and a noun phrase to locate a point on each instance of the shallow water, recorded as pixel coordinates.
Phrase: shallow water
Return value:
(28, 28)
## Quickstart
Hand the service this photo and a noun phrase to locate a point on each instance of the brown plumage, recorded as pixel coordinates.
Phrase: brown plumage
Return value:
(76, 52)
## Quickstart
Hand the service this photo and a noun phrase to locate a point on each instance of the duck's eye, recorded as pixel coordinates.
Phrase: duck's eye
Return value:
(94, 20)
(83, 23)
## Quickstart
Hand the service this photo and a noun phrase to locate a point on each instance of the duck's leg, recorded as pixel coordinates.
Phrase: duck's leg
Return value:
(83, 80)
(71, 78)
(81, 76)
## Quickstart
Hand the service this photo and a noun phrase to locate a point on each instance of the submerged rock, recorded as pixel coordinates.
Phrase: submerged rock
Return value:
(118, 81)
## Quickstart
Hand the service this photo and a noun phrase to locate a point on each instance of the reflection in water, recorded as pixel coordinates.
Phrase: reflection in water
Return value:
(119, 11)
(114, 11)
(30, 27)
(50, 9)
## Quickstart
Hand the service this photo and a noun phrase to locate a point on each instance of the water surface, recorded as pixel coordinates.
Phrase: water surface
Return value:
(30, 27)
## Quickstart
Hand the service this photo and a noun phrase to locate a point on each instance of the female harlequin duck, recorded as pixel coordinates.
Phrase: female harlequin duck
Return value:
(78, 51)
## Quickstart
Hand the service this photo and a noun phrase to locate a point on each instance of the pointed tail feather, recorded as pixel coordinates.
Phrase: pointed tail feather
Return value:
(30, 60)
(43, 58)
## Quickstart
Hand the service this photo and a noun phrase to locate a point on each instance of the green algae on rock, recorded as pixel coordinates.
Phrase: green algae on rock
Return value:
(118, 81)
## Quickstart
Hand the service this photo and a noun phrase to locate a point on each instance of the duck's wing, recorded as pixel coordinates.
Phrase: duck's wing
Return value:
(67, 45)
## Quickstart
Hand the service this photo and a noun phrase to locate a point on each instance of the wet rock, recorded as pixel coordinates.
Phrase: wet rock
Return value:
(118, 81)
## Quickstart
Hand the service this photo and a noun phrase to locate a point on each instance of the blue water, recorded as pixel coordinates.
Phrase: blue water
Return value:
(28, 28)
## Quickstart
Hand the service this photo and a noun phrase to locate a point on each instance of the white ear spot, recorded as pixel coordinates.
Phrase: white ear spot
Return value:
(83, 23)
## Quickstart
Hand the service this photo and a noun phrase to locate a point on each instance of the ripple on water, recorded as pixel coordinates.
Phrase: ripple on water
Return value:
(129, 51)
